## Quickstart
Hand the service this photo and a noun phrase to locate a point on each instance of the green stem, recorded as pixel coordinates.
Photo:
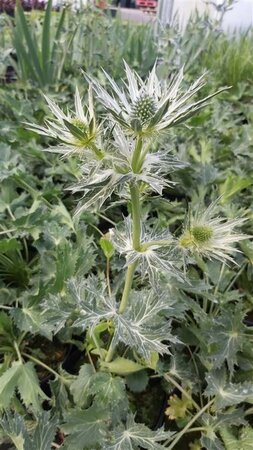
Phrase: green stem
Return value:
(196, 429)
(182, 390)
(18, 352)
(188, 426)
(108, 276)
(123, 303)
(110, 353)
(97, 344)
(249, 412)
(127, 287)
(40, 363)
(219, 279)
(137, 156)
(143, 156)
(136, 234)
(136, 215)
(162, 243)
(21, 337)
(236, 276)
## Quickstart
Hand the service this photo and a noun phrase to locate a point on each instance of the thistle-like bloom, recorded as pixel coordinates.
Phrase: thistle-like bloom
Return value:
(76, 132)
(148, 107)
(209, 236)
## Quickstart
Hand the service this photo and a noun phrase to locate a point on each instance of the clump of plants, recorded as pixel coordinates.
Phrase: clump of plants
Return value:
(153, 314)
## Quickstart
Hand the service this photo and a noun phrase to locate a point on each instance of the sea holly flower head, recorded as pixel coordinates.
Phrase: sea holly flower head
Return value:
(209, 236)
(76, 131)
(150, 106)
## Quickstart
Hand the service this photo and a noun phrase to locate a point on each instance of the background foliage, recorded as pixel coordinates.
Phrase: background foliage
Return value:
(47, 378)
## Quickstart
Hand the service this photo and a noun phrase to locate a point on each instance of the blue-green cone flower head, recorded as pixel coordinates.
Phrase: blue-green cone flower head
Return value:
(144, 109)
(209, 236)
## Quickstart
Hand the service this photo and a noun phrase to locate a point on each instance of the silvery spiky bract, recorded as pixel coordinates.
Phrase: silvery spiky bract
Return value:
(155, 254)
(210, 236)
(150, 106)
(114, 172)
(76, 131)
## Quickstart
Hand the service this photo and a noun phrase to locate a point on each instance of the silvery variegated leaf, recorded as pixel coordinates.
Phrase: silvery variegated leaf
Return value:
(135, 436)
(14, 427)
(234, 442)
(212, 442)
(56, 310)
(142, 326)
(225, 392)
(27, 435)
(92, 302)
(156, 254)
(227, 336)
(213, 424)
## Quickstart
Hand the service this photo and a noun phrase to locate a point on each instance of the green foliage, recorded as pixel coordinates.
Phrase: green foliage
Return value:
(244, 441)
(42, 435)
(85, 427)
(22, 377)
(34, 62)
(186, 337)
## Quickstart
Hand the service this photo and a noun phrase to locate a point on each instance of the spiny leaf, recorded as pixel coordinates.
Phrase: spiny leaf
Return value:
(243, 442)
(40, 438)
(136, 435)
(8, 383)
(29, 319)
(141, 326)
(110, 392)
(85, 427)
(227, 393)
(227, 337)
(24, 378)
(14, 427)
(81, 387)
(212, 442)
(44, 433)
(28, 386)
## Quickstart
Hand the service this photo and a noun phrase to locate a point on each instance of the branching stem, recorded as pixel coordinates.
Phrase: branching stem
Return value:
(136, 235)
(136, 215)
(18, 352)
(188, 426)
(127, 287)
(170, 379)
(137, 157)
(40, 363)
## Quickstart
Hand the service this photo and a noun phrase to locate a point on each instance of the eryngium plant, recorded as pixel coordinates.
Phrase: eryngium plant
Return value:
(128, 325)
